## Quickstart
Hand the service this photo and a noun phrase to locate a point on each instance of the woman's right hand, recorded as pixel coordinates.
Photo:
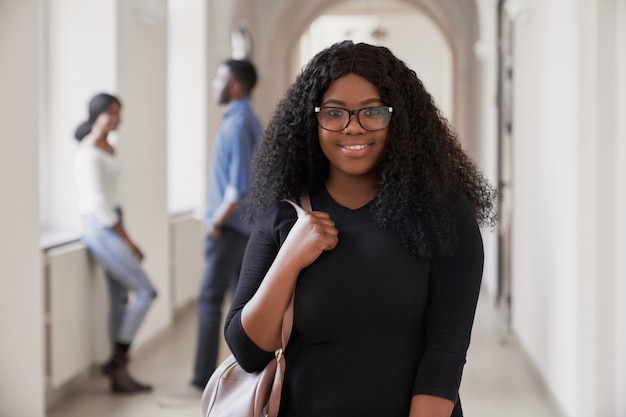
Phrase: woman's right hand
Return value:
(135, 250)
(313, 233)
(117, 228)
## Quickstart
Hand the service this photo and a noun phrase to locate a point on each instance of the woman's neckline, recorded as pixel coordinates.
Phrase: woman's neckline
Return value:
(329, 196)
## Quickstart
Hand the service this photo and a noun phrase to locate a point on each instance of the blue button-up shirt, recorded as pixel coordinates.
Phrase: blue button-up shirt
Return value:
(232, 154)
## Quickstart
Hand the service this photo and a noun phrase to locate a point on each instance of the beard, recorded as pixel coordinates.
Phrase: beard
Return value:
(224, 97)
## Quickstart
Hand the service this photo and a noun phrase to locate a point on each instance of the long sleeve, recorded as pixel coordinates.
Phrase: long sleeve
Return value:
(454, 285)
(261, 250)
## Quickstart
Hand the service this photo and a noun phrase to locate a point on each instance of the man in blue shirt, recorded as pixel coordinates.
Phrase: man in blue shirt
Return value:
(227, 232)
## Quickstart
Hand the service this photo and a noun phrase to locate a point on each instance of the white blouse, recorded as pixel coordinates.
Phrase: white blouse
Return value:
(96, 174)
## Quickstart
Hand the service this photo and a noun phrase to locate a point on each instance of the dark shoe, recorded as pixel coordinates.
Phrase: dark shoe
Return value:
(139, 387)
(107, 368)
(121, 381)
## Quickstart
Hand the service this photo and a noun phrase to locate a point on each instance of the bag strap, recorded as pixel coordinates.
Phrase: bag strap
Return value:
(305, 201)
(277, 386)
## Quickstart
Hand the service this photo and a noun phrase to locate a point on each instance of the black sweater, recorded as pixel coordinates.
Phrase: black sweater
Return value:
(373, 324)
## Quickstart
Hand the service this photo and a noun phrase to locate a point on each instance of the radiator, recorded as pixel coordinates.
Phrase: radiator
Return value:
(187, 260)
(69, 280)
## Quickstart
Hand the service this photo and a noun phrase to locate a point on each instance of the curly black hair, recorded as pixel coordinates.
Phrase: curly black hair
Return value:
(423, 173)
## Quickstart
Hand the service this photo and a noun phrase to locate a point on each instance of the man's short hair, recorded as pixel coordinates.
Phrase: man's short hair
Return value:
(243, 71)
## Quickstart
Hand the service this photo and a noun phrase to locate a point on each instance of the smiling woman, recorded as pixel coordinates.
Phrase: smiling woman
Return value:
(392, 245)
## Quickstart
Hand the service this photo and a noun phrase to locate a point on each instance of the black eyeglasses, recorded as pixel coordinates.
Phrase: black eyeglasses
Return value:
(370, 118)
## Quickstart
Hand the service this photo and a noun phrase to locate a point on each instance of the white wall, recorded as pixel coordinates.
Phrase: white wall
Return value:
(566, 268)
(599, 53)
(80, 62)
(21, 286)
(487, 53)
(620, 219)
(187, 108)
(545, 197)
(142, 84)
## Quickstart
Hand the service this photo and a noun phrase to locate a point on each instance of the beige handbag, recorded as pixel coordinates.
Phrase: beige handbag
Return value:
(233, 392)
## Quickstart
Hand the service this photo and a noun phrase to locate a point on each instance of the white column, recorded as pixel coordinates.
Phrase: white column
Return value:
(598, 144)
(21, 285)
(546, 214)
(188, 80)
(619, 296)
(141, 52)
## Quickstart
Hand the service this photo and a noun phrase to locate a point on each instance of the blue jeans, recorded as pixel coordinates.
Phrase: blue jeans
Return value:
(223, 262)
(124, 274)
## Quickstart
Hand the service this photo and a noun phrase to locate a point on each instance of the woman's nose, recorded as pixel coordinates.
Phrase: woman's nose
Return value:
(354, 126)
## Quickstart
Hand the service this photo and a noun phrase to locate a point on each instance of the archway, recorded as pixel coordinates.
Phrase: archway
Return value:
(457, 22)
(406, 30)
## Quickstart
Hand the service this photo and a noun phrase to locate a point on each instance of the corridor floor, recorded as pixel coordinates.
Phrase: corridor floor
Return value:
(498, 379)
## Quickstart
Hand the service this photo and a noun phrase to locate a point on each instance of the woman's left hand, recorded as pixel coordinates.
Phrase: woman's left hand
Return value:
(430, 406)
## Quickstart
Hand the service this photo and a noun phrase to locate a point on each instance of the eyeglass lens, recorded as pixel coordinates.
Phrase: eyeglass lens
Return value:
(370, 118)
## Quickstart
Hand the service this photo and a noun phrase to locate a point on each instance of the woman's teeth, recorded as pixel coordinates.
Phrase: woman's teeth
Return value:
(355, 147)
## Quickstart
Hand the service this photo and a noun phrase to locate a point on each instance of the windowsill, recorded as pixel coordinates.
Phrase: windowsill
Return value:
(58, 237)
(53, 238)
(184, 212)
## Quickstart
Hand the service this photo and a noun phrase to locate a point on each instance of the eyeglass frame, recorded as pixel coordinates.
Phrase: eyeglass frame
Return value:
(351, 113)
